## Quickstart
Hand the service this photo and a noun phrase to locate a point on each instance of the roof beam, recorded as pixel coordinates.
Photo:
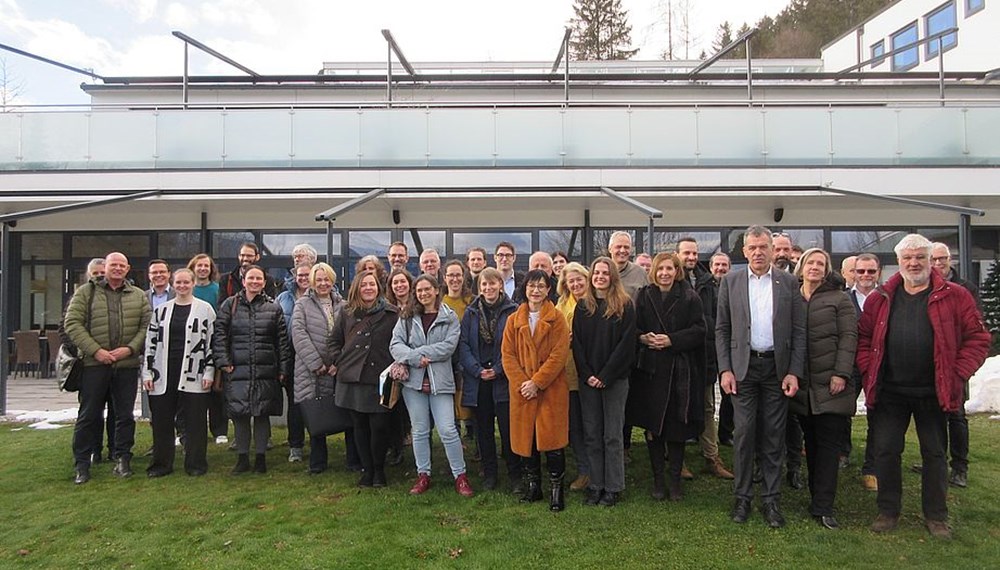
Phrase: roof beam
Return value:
(337, 211)
(28, 54)
(191, 41)
(399, 53)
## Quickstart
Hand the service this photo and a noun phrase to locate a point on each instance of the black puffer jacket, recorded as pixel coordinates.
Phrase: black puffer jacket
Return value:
(831, 341)
(250, 336)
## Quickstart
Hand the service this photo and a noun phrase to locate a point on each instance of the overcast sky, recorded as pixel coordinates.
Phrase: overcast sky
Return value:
(132, 37)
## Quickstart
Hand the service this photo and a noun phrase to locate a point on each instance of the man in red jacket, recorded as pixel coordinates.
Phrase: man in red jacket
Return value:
(920, 339)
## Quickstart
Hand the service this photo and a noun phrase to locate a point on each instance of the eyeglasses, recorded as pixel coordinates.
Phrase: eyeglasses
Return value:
(504, 255)
(302, 276)
(537, 286)
(866, 271)
(780, 234)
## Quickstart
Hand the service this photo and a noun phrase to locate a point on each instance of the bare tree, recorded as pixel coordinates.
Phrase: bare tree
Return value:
(11, 86)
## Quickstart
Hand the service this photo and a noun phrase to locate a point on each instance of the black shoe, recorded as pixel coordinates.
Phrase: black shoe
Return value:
(82, 475)
(158, 472)
(741, 511)
(556, 499)
(242, 464)
(844, 462)
(959, 479)
(367, 478)
(728, 442)
(772, 515)
(378, 478)
(395, 456)
(609, 499)
(794, 479)
(490, 482)
(317, 470)
(123, 468)
(827, 522)
(260, 463)
(96, 457)
(591, 497)
(196, 472)
(355, 467)
(532, 489)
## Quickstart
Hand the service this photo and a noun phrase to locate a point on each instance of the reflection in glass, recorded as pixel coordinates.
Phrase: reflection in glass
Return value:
(434, 239)
(41, 246)
(708, 242)
(41, 296)
(226, 246)
(178, 245)
(852, 242)
(362, 243)
(283, 244)
(462, 241)
(133, 246)
(568, 241)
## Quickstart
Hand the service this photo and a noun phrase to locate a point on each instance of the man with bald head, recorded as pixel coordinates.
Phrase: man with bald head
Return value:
(107, 321)
(620, 251)
(847, 270)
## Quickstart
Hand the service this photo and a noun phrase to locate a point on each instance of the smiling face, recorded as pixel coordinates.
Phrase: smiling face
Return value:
(490, 289)
(941, 260)
(757, 250)
(814, 268)
(400, 287)
(600, 276)
(253, 282)
(430, 263)
(368, 290)
(398, 257)
(576, 282)
(558, 262)
(688, 252)
(620, 249)
(302, 278)
(183, 283)
(720, 266)
(476, 261)
(322, 283)
(866, 273)
(782, 247)
(159, 276)
(666, 273)
(247, 256)
(454, 278)
(115, 269)
(203, 268)
(426, 295)
(536, 292)
(504, 259)
(915, 266)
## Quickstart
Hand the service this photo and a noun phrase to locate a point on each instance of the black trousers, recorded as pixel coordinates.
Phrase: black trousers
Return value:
(371, 438)
(823, 438)
(193, 407)
(958, 440)
(726, 418)
(296, 426)
(490, 414)
(218, 421)
(793, 443)
(97, 381)
(109, 426)
(890, 419)
(760, 411)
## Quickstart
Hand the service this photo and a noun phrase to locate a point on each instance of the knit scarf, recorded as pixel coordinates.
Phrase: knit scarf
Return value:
(490, 317)
(378, 306)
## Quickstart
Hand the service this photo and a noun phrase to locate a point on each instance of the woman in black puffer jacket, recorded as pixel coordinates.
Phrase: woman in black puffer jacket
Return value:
(251, 348)
(826, 397)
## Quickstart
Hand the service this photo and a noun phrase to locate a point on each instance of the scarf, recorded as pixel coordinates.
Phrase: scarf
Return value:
(379, 305)
(490, 318)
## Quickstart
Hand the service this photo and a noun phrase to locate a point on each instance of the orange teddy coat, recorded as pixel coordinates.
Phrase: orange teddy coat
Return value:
(541, 358)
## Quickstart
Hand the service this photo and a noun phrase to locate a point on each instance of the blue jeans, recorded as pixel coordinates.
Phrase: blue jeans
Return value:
(442, 407)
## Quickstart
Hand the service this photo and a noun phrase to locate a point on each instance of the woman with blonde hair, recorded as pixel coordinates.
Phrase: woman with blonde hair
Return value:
(573, 282)
(604, 341)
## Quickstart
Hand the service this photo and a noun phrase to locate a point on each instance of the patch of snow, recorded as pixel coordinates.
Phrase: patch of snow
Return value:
(984, 388)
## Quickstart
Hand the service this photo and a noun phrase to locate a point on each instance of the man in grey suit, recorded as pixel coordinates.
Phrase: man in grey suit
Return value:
(760, 341)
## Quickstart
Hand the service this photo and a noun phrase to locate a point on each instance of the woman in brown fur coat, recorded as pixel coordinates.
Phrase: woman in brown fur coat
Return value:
(535, 347)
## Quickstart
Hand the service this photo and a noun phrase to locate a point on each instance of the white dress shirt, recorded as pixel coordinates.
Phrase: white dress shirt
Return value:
(761, 311)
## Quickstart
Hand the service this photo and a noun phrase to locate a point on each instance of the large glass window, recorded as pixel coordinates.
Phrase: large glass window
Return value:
(973, 6)
(41, 296)
(601, 237)
(568, 241)
(226, 246)
(462, 241)
(862, 241)
(434, 239)
(132, 245)
(41, 246)
(178, 245)
(909, 58)
(708, 242)
(941, 19)
(878, 50)
(283, 244)
(362, 243)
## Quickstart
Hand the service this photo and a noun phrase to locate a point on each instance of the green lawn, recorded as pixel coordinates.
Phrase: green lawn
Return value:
(288, 519)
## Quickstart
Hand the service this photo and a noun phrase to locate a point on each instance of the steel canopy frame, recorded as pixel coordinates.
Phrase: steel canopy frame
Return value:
(6, 222)
(329, 216)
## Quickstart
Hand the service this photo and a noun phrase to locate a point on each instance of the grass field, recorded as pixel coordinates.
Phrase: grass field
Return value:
(288, 519)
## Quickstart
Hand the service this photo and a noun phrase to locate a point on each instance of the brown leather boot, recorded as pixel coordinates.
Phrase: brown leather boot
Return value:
(717, 468)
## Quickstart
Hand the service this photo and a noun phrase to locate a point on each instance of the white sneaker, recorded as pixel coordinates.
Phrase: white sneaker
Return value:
(177, 441)
(221, 440)
(295, 455)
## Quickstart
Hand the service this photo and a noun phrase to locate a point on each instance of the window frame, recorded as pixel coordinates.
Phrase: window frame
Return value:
(915, 49)
(880, 45)
(947, 42)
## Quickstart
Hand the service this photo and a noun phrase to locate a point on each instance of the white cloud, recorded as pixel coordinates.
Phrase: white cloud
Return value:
(140, 10)
(177, 15)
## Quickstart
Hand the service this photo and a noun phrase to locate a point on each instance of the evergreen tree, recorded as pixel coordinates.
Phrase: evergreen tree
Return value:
(600, 31)
(989, 294)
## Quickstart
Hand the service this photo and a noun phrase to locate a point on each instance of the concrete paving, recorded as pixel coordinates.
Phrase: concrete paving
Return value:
(37, 394)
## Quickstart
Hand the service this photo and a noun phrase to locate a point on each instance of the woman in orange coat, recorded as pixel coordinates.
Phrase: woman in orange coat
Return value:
(535, 347)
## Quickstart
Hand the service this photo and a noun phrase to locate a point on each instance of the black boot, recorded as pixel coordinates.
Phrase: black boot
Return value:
(657, 462)
(123, 467)
(556, 502)
(676, 452)
(532, 486)
(260, 463)
(242, 464)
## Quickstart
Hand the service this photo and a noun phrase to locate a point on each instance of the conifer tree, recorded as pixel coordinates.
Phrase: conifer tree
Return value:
(600, 31)
(989, 294)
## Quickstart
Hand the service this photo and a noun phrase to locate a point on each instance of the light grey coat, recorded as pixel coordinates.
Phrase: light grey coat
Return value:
(439, 344)
(310, 333)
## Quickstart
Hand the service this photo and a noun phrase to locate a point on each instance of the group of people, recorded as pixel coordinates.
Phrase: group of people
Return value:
(560, 356)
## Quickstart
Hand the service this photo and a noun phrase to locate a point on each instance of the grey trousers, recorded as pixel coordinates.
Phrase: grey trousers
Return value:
(603, 412)
(760, 411)
(261, 431)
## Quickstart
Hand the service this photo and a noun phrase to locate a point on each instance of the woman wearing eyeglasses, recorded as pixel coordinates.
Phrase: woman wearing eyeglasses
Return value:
(826, 396)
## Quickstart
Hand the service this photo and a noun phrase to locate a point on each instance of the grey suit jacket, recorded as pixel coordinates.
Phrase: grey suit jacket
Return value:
(732, 325)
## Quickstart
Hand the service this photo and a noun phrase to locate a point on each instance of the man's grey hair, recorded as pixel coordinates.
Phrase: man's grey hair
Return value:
(92, 264)
(938, 244)
(913, 241)
(757, 231)
(429, 251)
(869, 257)
(309, 251)
(540, 254)
(618, 234)
(719, 254)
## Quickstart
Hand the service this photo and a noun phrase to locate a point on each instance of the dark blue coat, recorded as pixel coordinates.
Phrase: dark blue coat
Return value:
(470, 359)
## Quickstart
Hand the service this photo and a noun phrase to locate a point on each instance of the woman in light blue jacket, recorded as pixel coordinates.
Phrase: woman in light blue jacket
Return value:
(425, 339)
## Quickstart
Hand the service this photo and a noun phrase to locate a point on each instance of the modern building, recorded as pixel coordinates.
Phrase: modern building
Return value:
(452, 156)
(886, 39)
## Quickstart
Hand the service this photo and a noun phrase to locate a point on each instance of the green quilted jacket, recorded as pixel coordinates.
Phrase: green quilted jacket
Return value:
(129, 309)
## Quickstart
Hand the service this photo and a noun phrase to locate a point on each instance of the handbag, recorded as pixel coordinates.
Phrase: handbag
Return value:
(69, 369)
(322, 416)
(388, 387)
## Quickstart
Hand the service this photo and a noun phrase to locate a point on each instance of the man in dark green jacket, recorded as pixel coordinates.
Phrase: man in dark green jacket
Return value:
(107, 321)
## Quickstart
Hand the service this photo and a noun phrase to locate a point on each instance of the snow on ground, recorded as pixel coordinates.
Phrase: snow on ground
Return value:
(49, 419)
(984, 388)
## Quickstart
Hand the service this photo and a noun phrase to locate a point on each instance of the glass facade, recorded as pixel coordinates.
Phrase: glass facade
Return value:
(943, 18)
(909, 58)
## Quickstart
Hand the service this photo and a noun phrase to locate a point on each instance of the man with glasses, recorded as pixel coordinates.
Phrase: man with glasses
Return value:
(232, 283)
(430, 263)
(302, 253)
(866, 273)
(503, 257)
(398, 256)
(958, 424)
(920, 339)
